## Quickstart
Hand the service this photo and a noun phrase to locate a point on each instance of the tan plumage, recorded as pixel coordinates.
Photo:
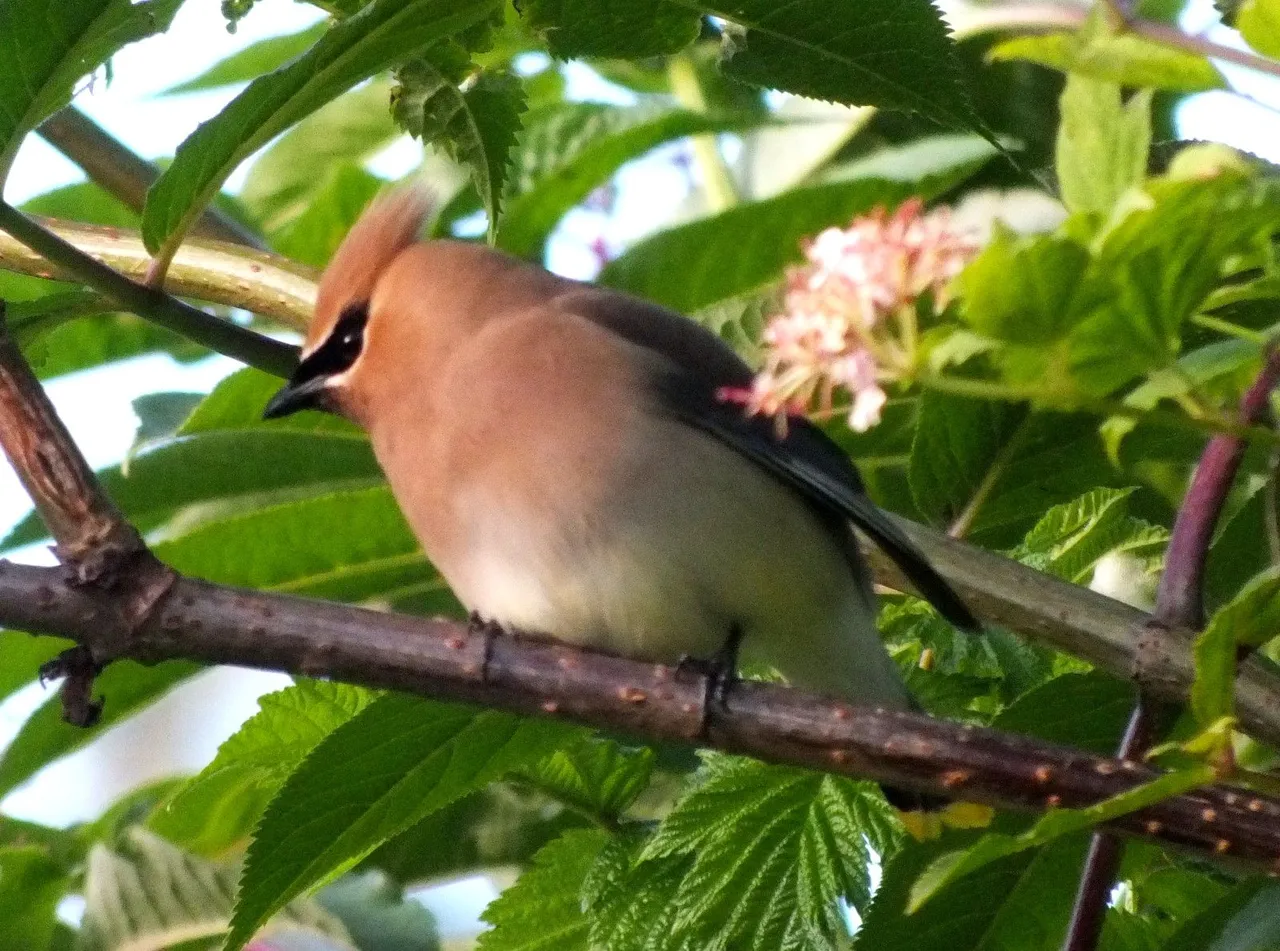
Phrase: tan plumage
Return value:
(522, 424)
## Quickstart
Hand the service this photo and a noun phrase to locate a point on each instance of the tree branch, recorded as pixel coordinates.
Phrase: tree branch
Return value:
(266, 284)
(167, 311)
(999, 590)
(124, 175)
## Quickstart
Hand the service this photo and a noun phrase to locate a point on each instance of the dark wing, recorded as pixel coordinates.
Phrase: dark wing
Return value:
(805, 457)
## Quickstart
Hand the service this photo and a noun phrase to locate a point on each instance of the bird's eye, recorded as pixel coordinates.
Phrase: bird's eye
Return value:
(342, 348)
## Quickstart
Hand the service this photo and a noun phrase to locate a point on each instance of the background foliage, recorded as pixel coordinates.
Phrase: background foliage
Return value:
(1057, 406)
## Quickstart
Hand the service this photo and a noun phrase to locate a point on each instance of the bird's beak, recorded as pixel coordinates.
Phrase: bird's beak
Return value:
(299, 393)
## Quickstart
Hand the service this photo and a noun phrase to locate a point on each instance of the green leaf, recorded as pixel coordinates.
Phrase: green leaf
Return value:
(1242, 920)
(218, 807)
(373, 777)
(226, 460)
(314, 235)
(617, 29)
(378, 916)
(382, 34)
(21, 656)
(1124, 59)
(800, 842)
(1023, 290)
(45, 48)
(476, 125)
(31, 885)
(1019, 903)
(252, 61)
(631, 904)
(1102, 144)
(1087, 711)
(895, 54)
(569, 149)
(159, 417)
(1249, 620)
(1071, 538)
(127, 688)
(283, 183)
(596, 777)
(542, 911)
(748, 247)
(1259, 23)
(1053, 825)
(83, 201)
(144, 894)
(961, 445)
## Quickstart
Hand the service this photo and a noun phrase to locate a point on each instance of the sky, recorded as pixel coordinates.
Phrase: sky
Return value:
(96, 405)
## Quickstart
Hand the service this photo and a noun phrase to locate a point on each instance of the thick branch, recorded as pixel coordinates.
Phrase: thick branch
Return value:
(445, 659)
(194, 324)
(124, 175)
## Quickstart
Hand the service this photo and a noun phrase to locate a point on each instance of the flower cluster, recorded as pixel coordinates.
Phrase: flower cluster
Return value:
(850, 315)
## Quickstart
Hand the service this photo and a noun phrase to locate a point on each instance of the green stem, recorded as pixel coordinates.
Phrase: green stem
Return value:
(219, 335)
(992, 390)
(722, 194)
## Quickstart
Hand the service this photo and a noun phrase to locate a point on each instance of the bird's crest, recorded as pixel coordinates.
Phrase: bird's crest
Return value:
(390, 224)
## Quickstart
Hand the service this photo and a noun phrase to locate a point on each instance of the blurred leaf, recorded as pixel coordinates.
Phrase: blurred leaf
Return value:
(31, 885)
(618, 29)
(1243, 920)
(21, 656)
(542, 911)
(1259, 23)
(1053, 825)
(961, 447)
(800, 842)
(569, 149)
(1022, 290)
(1071, 538)
(316, 232)
(228, 461)
(475, 125)
(1250, 620)
(741, 250)
(146, 895)
(373, 777)
(382, 34)
(1086, 711)
(1102, 144)
(895, 54)
(159, 417)
(90, 341)
(1124, 59)
(378, 916)
(1018, 903)
(1225, 364)
(597, 777)
(82, 201)
(126, 686)
(284, 182)
(252, 61)
(218, 808)
(49, 47)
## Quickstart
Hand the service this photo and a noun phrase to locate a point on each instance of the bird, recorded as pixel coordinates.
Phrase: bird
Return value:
(568, 459)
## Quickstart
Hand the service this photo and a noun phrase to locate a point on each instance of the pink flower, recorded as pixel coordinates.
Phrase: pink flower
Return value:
(850, 313)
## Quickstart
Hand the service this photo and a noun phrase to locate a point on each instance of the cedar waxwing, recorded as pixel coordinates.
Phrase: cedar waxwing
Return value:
(567, 458)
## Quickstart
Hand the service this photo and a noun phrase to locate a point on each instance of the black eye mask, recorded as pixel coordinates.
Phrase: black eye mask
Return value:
(306, 389)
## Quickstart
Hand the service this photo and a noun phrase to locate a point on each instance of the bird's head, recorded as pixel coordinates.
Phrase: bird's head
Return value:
(391, 307)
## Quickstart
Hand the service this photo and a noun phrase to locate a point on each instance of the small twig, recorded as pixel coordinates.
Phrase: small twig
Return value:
(155, 305)
(126, 176)
(1179, 605)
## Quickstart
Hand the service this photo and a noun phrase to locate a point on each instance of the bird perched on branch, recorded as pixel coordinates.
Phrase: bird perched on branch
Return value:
(569, 461)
